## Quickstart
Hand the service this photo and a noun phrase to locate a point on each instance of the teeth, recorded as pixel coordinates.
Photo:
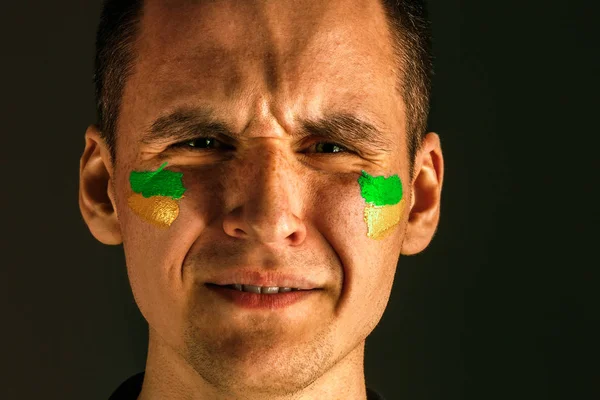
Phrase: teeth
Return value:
(261, 289)
(268, 289)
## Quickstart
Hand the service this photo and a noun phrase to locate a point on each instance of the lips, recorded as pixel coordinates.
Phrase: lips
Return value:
(264, 279)
(260, 301)
(259, 289)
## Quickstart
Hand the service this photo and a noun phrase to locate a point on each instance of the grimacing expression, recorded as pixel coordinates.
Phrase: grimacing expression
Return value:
(266, 193)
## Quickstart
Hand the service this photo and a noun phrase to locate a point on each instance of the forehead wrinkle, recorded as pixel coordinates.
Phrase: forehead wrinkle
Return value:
(283, 38)
(284, 41)
(290, 56)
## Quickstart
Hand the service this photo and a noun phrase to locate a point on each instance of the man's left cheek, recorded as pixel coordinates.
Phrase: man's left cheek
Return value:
(384, 204)
(381, 220)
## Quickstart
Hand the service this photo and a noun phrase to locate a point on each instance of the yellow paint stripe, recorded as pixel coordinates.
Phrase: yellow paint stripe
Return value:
(381, 219)
(157, 210)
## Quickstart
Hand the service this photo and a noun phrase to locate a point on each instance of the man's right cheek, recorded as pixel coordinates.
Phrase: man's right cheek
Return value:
(160, 211)
(155, 196)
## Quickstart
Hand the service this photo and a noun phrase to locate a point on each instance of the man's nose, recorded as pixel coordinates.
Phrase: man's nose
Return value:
(270, 205)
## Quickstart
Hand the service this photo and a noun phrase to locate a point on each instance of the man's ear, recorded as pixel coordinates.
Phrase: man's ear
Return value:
(96, 194)
(425, 196)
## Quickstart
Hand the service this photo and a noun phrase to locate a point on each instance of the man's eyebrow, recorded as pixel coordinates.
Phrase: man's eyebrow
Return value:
(344, 128)
(185, 124)
(348, 128)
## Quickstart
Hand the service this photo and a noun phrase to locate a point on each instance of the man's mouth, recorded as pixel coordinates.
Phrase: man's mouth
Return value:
(259, 289)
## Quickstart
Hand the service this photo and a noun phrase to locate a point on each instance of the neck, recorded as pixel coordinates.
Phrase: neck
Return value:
(169, 375)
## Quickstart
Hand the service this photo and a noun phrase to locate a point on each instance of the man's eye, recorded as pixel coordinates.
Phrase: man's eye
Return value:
(328, 147)
(209, 143)
(199, 143)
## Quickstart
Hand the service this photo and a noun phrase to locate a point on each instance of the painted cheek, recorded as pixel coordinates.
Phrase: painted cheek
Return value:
(160, 211)
(155, 195)
(384, 203)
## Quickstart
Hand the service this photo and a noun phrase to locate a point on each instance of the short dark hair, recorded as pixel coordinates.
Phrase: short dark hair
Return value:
(411, 37)
(115, 56)
(408, 22)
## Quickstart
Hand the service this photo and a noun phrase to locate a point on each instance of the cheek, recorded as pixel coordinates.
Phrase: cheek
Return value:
(337, 213)
(204, 197)
(336, 208)
(159, 231)
(385, 205)
(160, 211)
(339, 207)
(348, 222)
(154, 251)
(381, 221)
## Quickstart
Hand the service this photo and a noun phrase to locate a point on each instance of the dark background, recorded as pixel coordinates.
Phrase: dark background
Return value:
(503, 303)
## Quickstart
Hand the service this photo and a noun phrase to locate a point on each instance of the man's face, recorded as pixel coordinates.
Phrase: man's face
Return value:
(272, 197)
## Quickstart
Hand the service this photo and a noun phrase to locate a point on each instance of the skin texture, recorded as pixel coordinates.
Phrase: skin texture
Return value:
(273, 203)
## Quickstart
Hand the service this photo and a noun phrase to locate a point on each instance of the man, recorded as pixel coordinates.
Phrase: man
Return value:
(248, 149)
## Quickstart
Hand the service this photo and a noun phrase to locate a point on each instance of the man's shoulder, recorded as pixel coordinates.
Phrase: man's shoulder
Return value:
(130, 389)
(373, 395)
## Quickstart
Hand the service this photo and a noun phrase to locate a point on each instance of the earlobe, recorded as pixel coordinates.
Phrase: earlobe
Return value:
(426, 187)
(96, 196)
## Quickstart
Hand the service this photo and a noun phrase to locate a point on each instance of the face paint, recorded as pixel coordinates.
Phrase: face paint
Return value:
(384, 203)
(155, 195)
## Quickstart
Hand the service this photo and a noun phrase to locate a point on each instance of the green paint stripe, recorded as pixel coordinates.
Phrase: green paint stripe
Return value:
(157, 183)
(379, 190)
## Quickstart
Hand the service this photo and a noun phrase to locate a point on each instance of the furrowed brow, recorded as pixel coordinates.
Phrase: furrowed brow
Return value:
(347, 128)
(185, 124)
